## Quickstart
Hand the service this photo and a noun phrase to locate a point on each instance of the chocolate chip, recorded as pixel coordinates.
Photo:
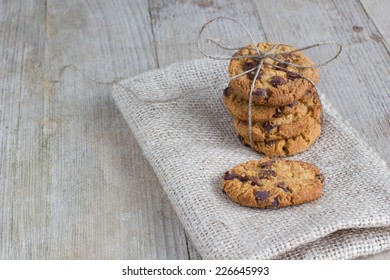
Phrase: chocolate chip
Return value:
(321, 178)
(250, 65)
(240, 138)
(262, 195)
(292, 75)
(277, 81)
(268, 126)
(251, 75)
(243, 177)
(226, 92)
(260, 92)
(275, 203)
(279, 112)
(229, 175)
(309, 92)
(266, 164)
(255, 181)
(268, 173)
(291, 105)
(283, 186)
(223, 190)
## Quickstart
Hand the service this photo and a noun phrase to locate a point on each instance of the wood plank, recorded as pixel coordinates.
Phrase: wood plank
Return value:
(378, 11)
(176, 25)
(358, 73)
(106, 200)
(74, 182)
(23, 199)
(357, 83)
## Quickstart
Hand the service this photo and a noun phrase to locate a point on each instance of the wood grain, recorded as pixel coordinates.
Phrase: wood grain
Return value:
(102, 180)
(23, 191)
(357, 83)
(73, 181)
(175, 33)
(378, 12)
(77, 185)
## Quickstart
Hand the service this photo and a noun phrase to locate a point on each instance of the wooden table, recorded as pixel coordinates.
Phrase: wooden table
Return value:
(73, 181)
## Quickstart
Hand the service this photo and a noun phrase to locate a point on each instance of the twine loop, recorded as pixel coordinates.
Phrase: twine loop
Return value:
(260, 57)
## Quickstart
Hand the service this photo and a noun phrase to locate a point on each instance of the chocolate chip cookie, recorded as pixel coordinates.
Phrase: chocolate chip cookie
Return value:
(273, 183)
(275, 86)
(284, 126)
(289, 146)
(238, 107)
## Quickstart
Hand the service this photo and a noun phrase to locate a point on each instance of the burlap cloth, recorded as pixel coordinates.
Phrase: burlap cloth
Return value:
(190, 143)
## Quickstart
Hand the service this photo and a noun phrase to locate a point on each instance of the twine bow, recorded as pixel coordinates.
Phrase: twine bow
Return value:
(260, 56)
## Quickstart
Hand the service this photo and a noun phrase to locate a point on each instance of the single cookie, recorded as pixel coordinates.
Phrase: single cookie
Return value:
(238, 107)
(274, 86)
(285, 126)
(273, 183)
(287, 147)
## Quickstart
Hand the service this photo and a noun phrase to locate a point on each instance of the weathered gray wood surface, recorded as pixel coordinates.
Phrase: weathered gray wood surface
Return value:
(73, 181)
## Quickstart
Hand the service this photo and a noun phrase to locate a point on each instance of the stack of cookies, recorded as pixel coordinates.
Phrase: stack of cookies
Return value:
(286, 111)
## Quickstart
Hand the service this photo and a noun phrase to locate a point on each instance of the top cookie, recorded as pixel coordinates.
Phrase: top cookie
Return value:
(274, 86)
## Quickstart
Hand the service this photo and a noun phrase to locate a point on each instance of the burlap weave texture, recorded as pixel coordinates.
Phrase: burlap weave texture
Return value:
(190, 143)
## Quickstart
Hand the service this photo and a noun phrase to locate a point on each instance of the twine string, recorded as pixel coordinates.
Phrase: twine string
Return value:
(251, 93)
(260, 57)
(136, 95)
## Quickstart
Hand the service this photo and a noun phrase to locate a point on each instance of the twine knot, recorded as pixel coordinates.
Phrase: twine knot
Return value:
(260, 57)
